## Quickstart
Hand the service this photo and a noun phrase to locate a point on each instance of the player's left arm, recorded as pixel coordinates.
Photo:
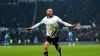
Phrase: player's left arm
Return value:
(66, 24)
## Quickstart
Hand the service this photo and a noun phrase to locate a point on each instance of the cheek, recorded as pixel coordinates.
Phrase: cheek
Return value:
(48, 13)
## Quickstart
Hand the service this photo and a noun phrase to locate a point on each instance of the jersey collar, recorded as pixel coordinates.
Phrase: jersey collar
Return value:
(50, 17)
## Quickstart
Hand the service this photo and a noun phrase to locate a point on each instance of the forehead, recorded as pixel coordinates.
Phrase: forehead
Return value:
(49, 10)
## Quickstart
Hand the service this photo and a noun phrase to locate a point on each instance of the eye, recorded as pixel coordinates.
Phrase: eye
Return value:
(50, 11)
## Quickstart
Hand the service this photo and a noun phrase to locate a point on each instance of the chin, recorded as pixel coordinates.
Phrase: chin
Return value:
(51, 15)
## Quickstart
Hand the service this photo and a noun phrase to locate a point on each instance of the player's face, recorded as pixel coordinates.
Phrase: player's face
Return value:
(49, 12)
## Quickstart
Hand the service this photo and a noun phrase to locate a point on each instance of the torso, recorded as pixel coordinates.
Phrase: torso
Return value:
(51, 26)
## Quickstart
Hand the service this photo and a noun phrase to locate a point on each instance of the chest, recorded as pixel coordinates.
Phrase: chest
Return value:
(50, 22)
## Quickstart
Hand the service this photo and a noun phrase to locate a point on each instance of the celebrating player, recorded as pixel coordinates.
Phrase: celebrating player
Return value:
(51, 21)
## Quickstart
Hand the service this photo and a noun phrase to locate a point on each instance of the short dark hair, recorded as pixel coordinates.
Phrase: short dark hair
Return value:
(48, 8)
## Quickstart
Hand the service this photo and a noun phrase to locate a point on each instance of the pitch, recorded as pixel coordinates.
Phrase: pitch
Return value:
(37, 50)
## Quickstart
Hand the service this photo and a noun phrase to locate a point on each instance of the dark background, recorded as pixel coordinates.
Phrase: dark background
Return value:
(16, 13)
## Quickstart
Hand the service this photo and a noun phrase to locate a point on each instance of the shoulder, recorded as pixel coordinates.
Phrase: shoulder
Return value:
(44, 18)
(55, 16)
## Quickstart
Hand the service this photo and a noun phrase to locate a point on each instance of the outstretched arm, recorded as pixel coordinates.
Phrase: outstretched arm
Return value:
(64, 23)
(67, 24)
(35, 26)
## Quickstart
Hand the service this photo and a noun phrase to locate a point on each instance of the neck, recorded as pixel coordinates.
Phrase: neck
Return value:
(49, 16)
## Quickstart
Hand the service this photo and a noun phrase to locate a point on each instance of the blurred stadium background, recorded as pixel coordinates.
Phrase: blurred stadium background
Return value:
(16, 15)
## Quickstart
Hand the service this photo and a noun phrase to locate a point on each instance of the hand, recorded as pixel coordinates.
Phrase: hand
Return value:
(75, 26)
(28, 29)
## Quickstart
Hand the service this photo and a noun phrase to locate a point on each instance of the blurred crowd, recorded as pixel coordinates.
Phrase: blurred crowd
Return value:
(92, 34)
(37, 35)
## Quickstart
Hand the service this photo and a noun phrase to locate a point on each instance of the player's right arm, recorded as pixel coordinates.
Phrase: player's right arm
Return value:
(35, 26)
